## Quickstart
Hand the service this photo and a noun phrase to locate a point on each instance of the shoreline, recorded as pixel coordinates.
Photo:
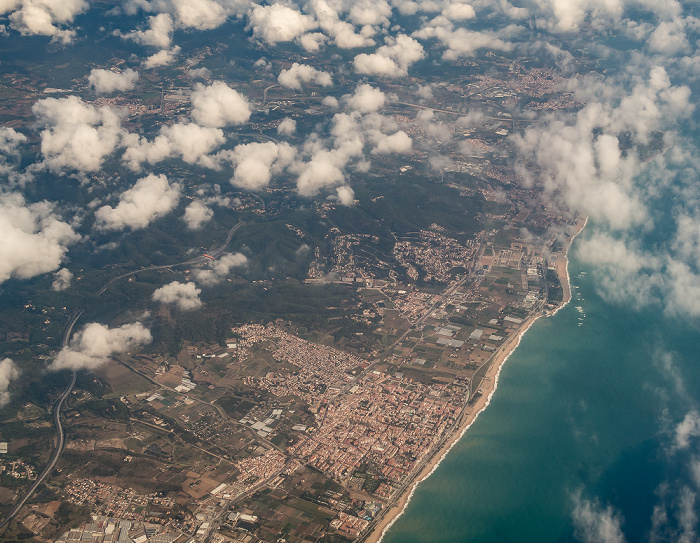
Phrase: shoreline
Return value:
(377, 533)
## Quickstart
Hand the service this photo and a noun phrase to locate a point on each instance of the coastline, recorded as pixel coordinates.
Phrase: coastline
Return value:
(489, 385)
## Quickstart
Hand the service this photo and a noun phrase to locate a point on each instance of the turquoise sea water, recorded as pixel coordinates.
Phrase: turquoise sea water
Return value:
(578, 442)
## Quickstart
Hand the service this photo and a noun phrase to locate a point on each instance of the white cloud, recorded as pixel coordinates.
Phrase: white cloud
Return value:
(8, 373)
(77, 135)
(595, 523)
(255, 163)
(398, 142)
(219, 269)
(218, 105)
(686, 430)
(34, 240)
(279, 23)
(366, 98)
(184, 295)
(159, 33)
(456, 11)
(392, 59)
(342, 32)
(461, 42)
(62, 279)
(107, 81)
(41, 17)
(164, 57)
(197, 214)
(300, 74)
(346, 196)
(330, 101)
(287, 127)
(191, 142)
(150, 198)
(95, 343)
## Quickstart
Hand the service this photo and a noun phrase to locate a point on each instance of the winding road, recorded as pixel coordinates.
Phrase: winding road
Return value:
(59, 403)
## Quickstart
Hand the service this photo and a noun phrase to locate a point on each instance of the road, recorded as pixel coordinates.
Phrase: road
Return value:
(216, 253)
(60, 434)
(58, 405)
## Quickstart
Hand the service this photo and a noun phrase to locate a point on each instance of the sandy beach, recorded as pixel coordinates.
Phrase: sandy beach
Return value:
(488, 387)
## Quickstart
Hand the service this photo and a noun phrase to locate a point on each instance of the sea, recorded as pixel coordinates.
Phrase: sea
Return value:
(591, 434)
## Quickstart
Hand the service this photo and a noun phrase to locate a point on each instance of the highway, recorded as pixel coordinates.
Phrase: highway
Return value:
(216, 253)
(59, 403)
(60, 434)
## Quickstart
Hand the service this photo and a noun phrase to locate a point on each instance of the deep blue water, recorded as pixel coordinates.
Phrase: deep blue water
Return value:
(580, 430)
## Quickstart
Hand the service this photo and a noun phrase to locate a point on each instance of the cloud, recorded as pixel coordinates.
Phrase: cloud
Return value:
(159, 33)
(184, 295)
(278, 23)
(161, 58)
(392, 59)
(196, 214)
(300, 74)
(580, 156)
(342, 32)
(461, 42)
(77, 135)
(41, 17)
(218, 270)
(596, 524)
(398, 142)
(95, 343)
(191, 142)
(62, 279)
(8, 373)
(107, 81)
(370, 13)
(10, 141)
(34, 239)
(287, 127)
(366, 98)
(256, 163)
(686, 430)
(346, 196)
(218, 105)
(150, 198)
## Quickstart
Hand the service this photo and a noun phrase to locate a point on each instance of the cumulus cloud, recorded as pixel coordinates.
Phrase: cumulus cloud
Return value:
(62, 279)
(366, 98)
(197, 214)
(183, 295)
(44, 17)
(595, 523)
(107, 81)
(34, 239)
(10, 141)
(581, 158)
(346, 196)
(8, 373)
(218, 105)
(461, 42)
(686, 430)
(218, 270)
(77, 135)
(398, 142)
(95, 343)
(191, 142)
(287, 127)
(150, 198)
(165, 57)
(256, 163)
(300, 74)
(392, 59)
(279, 23)
(159, 33)
(341, 32)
